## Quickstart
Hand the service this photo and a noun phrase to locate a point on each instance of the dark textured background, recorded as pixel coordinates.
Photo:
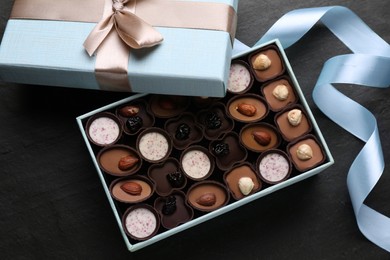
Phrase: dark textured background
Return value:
(53, 206)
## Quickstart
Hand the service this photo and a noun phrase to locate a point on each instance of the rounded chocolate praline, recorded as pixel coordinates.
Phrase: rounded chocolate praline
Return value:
(254, 100)
(288, 131)
(274, 103)
(181, 212)
(273, 166)
(197, 163)
(141, 222)
(154, 144)
(232, 177)
(109, 157)
(248, 140)
(240, 78)
(276, 68)
(318, 153)
(104, 129)
(119, 193)
(197, 190)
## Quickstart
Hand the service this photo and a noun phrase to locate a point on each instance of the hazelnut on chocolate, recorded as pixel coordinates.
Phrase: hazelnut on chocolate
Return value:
(280, 92)
(304, 152)
(245, 184)
(261, 62)
(294, 117)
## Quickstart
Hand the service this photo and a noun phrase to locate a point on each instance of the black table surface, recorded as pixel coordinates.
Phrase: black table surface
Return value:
(53, 205)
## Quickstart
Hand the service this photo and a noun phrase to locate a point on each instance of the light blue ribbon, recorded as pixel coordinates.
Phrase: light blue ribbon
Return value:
(369, 65)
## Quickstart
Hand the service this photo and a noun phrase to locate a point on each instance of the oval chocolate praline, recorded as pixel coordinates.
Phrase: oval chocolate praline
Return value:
(120, 194)
(249, 141)
(251, 99)
(197, 190)
(109, 160)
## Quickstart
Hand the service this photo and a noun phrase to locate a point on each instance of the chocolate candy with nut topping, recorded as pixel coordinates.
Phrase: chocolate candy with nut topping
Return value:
(247, 108)
(259, 137)
(313, 157)
(301, 124)
(207, 196)
(266, 64)
(273, 94)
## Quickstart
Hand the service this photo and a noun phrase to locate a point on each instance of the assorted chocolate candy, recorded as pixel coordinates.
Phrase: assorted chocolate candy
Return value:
(170, 159)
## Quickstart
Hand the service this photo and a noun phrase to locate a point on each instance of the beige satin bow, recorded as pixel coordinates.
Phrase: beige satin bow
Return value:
(134, 31)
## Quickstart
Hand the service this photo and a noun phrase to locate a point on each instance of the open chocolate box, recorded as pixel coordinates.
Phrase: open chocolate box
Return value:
(168, 163)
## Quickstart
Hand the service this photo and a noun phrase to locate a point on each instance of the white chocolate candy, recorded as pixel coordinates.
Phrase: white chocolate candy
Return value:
(294, 117)
(104, 130)
(153, 146)
(280, 92)
(196, 164)
(274, 167)
(245, 184)
(304, 152)
(261, 62)
(141, 222)
(239, 78)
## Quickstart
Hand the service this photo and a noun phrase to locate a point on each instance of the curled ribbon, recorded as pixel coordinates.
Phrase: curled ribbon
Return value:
(369, 66)
(133, 31)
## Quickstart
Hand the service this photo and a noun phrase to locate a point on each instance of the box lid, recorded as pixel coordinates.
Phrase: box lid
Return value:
(188, 62)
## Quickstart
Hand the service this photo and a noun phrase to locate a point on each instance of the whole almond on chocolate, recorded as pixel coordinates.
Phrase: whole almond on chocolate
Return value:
(207, 199)
(132, 188)
(129, 111)
(262, 138)
(127, 162)
(246, 109)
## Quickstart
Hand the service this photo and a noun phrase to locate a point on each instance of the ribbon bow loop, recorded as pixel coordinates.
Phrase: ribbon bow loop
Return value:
(133, 31)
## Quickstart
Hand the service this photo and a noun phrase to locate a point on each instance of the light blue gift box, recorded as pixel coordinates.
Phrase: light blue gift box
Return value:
(188, 62)
(234, 205)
